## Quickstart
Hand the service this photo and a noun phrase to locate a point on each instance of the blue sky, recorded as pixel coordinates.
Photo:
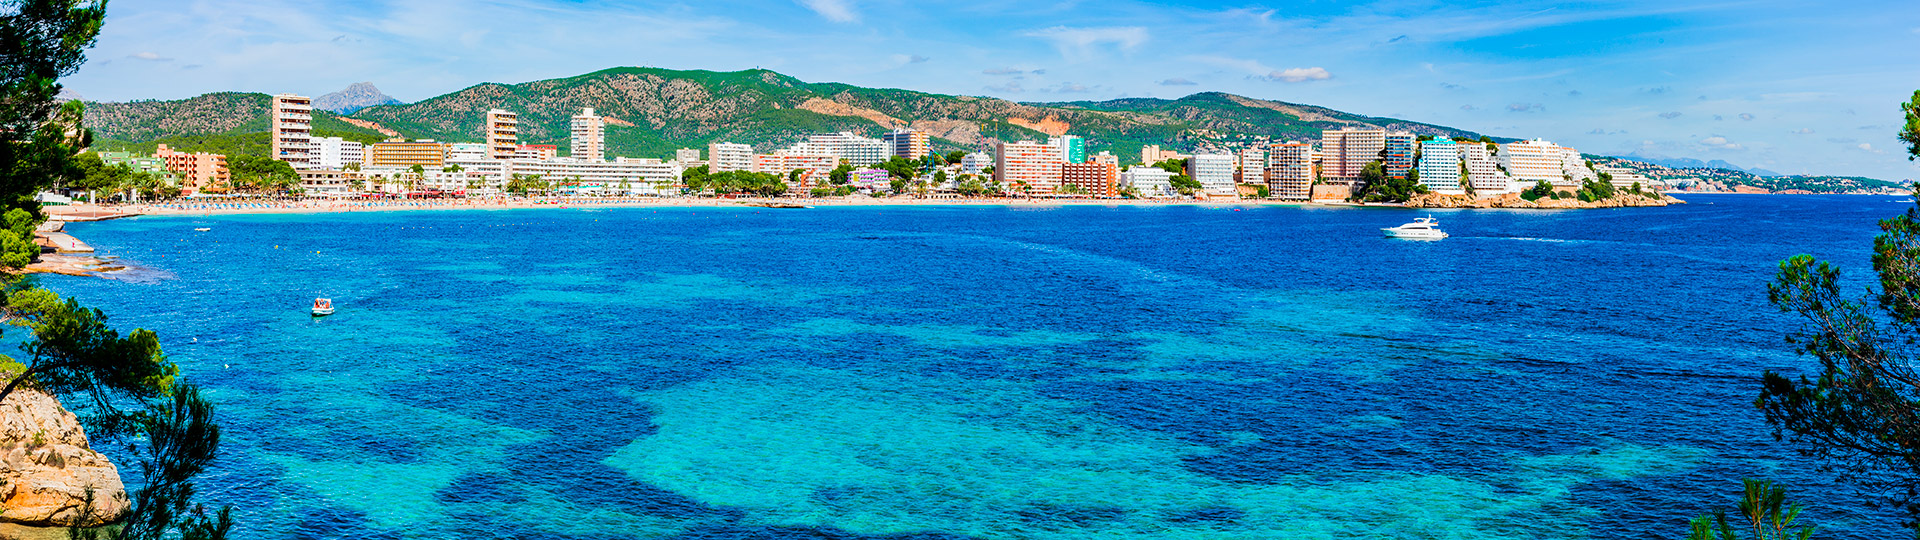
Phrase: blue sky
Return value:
(1794, 87)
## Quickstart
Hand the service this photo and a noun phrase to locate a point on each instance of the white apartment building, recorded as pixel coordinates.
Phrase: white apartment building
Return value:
(1483, 172)
(1529, 162)
(469, 152)
(1346, 151)
(1290, 171)
(975, 163)
(858, 151)
(1574, 165)
(1214, 172)
(292, 131)
(1148, 181)
(1034, 164)
(1252, 163)
(1623, 177)
(621, 176)
(688, 158)
(590, 136)
(503, 134)
(336, 153)
(724, 156)
(1440, 166)
(814, 166)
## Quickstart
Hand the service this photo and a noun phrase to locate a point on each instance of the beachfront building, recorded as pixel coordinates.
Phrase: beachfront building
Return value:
(1072, 149)
(620, 176)
(150, 165)
(336, 153)
(1104, 157)
(870, 180)
(1214, 172)
(331, 182)
(468, 152)
(1483, 172)
(1251, 166)
(589, 136)
(291, 136)
(1397, 154)
(404, 154)
(814, 166)
(688, 158)
(1344, 152)
(1440, 166)
(503, 134)
(1623, 177)
(858, 151)
(1290, 171)
(197, 171)
(1530, 162)
(1096, 179)
(725, 156)
(1148, 181)
(536, 151)
(1574, 166)
(975, 163)
(1030, 164)
(907, 143)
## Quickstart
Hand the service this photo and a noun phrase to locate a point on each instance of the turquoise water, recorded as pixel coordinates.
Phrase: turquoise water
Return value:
(989, 373)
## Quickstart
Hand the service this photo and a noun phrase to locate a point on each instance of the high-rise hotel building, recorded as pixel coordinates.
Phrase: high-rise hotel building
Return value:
(906, 143)
(503, 134)
(589, 136)
(1347, 151)
(1440, 168)
(725, 156)
(1397, 154)
(1034, 164)
(292, 137)
(1290, 171)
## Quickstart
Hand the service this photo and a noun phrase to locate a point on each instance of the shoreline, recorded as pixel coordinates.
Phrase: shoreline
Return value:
(329, 207)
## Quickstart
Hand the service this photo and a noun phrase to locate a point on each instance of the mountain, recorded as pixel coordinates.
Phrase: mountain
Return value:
(1694, 177)
(225, 123)
(650, 112)
(357, 96)
(1690, 163)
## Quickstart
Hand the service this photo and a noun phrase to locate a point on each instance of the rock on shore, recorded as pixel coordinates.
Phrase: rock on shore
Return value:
(46, 467)
(1622, 200)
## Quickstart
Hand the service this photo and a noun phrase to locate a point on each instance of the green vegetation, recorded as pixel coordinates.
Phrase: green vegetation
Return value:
(1860, 417)
(730, 182)
(1910, 132)
(758, 107)
(132, 393)
(1376, 186)
(1541, 190)
(1763, 511)
(260, 174)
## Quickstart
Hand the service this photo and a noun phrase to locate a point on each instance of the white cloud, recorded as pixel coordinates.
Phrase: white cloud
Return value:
(1177, 81)
(149, 56)
(1081, 43)
(840, 11)
(1870, 148)
(1803, 131)
(1720, 143)
(1294, 75)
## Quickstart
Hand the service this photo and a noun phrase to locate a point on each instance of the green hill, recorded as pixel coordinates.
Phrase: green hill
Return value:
(653, 111)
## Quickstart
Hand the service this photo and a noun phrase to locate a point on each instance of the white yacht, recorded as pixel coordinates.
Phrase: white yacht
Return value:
(322, 307)
(1425, 228)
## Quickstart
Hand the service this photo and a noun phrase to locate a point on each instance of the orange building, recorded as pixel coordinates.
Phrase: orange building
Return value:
(1097, 179)
(197, 171)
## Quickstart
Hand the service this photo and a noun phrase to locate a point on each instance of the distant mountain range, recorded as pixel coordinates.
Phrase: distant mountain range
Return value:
(357, 96)
(650, 112)
(1691, 163)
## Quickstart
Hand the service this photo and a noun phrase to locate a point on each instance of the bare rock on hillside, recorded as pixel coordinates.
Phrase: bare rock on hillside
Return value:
(47, 467)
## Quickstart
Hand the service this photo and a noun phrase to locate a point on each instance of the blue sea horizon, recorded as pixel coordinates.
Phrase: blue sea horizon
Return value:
(988, 372)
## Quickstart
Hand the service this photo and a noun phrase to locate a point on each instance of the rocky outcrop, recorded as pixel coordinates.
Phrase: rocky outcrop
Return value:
(47, 468)
(1623, 200)
(357, 96)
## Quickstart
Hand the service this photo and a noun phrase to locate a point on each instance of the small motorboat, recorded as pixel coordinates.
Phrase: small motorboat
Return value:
(322, 307)
(1425, 228)
(203, 229)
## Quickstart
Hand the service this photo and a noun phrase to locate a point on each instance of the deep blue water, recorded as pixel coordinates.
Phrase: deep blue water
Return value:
(989, 373)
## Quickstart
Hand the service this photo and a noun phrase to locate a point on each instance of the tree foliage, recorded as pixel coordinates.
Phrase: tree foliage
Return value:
(1375, 186)
(260, 174)
(1910, 133)
(1763, 511)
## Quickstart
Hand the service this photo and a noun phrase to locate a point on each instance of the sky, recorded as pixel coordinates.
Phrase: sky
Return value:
(1794, 87)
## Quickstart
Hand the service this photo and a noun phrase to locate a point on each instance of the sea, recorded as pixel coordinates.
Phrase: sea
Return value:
(989, 372)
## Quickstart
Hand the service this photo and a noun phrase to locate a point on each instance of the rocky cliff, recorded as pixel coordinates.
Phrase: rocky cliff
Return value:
(46, 467)
(357, 96)
(1623, 200)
